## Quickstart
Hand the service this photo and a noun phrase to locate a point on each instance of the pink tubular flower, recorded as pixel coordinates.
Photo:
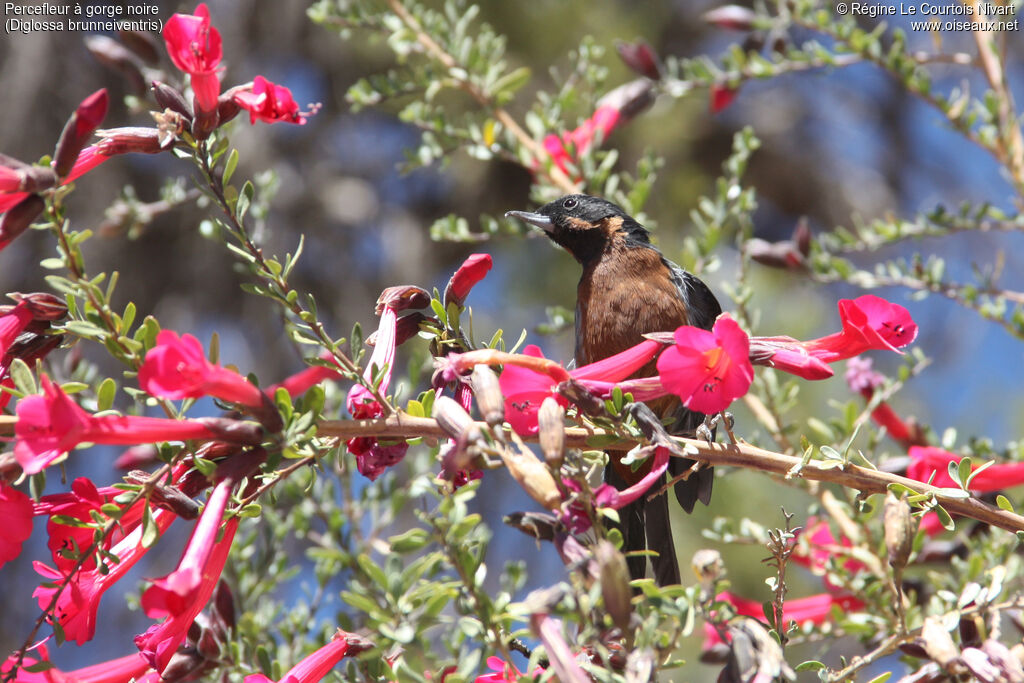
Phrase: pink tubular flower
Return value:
(120, 670)
(318, 664)
(823, 545)
(928, 460)
(502, 672)
(530, 378)
(194, 47)
(269, 102)
(51, 424)
(304, 380)
(78, 602)
(177, 368)
(16, 513)
(183, 593)
(707, 370)
(472, 271)
(372, 457)
(869, 322)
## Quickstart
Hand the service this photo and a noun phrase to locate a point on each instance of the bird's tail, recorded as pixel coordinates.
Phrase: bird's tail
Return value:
(645, 526)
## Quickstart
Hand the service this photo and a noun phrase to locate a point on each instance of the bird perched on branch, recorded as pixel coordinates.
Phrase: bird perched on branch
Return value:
(628, 289)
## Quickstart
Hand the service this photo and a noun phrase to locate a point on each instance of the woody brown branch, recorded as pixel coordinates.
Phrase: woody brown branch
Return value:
(402, 425)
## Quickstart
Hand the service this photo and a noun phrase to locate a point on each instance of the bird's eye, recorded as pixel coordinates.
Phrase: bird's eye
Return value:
(569, 203)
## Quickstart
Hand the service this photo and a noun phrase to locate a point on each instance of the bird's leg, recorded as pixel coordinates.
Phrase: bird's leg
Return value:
(706, 430)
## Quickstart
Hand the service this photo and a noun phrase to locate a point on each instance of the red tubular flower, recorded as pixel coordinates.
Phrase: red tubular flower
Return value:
(79, 601)
(721, 96)
(862, 379)
(177, 368)
(304, 380)
(928, 460)
(51, 424)
(183, 593)
(502, 672)
(823, 545)
(318, 664)
(194, 47)
(269, 102)
(472, 271)
(707, 370)
(530, 378)
(16, 513)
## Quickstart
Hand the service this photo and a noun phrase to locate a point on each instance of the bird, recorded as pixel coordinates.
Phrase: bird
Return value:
(628, 289)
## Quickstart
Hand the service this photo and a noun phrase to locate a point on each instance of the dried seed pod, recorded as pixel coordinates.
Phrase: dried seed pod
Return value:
(899, 531)
(533, 476)
(615, 588)
(551, 421)
(488, 395)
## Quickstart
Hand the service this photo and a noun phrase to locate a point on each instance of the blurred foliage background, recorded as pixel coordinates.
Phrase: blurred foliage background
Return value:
(836, 144)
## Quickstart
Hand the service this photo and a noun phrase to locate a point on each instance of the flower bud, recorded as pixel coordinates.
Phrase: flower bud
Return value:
(204, 123)
(79, 128)
(131, 139)
(732, 17)
(407, 327)
(402, 298)
(224, 604)
(782, 254)
(170, 98)
(19, 218)
(472, 271)
(640, 57)
(165, 496)
(614, 584)
(628, 99)
(899, 530)
(488, 395)
(551, 424)
(43, 305)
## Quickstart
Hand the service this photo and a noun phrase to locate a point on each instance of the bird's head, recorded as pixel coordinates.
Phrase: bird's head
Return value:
(585, 226)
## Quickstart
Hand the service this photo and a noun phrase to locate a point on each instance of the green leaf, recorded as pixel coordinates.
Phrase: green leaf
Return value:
(810, 665)
(1004, 503)
(105, 394)
(244, 200)
(150, 531)
(411, 540)
(229, 166)
(881, 678)
(21, 375)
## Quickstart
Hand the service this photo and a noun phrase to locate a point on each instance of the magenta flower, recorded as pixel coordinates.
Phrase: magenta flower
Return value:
(926, 461)
(269, 102)
(78, 602)
(472, 271)
(183, 593)
(708, 369)
(51, 424)
(16, 513)
(721, 96)
(194, 47)
(528, 379)
(318, 664)
(501, 672)
(372, 457)
(869, 322)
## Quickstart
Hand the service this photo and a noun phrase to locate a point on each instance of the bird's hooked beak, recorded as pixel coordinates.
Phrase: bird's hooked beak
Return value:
(540, 220)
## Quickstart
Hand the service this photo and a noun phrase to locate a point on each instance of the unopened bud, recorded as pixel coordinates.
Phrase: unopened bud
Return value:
(472, 270)
(640, 57)
(732, 17)
(19, 218)
(79, 128)
(615, 588)
(224, 604)
(407, 327)
(169, 98)
(183, 666)
(32, 347)
(533, 476)
(488, 395)
(43, 305)
(899, 530)
(629, 99)
(131, 139)
(551, 424)
(227, 109)
(782, 254)
(402, 298)
(204, 123)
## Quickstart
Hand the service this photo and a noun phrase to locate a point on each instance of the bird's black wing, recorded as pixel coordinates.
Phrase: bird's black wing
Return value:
(702, 308)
